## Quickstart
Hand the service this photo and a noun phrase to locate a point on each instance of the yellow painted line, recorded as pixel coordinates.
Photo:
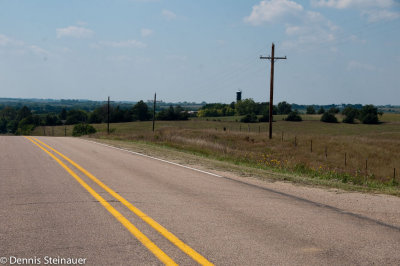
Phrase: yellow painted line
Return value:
(162, 230)
(125, 222)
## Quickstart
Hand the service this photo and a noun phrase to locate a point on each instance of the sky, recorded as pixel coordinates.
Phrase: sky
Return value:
(338, 51)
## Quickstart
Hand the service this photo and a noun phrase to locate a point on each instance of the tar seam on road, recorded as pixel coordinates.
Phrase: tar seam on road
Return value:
(320, 205)
(161, 255)
(159, 228)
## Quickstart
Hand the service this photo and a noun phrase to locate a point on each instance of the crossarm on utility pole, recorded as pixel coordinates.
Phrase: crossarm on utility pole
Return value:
(271, 96)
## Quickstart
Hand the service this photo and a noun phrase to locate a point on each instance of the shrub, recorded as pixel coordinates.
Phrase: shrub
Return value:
(264, 118)
(294, 116)
(328, 118)
(350, 114)
(83, 129)
(249, 118)
(369, 114)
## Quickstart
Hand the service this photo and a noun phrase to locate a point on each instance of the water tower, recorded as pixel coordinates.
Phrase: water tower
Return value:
(238, 95)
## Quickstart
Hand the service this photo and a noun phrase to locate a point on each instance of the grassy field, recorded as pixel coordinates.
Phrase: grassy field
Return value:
(371, 152)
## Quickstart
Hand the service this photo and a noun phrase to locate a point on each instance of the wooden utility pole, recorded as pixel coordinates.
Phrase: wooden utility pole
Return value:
(108, 115)
(154, 110)
(271, 92)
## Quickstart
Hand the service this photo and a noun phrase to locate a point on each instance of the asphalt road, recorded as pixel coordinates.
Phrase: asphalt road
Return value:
(121, 208)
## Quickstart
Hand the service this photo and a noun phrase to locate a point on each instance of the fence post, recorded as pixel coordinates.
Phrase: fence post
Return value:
(311, 145)
(282, 136)
(345, 159)
(326, 152)
(394, 175)
(295, 141)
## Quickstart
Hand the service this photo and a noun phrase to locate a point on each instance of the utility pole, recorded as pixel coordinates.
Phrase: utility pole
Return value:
(271, 92)
(154, 110)
(108, 115)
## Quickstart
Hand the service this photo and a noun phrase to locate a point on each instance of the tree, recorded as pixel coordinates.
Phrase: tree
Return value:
(333, 110)
(140, 111)
(321, 110)
(172, 113)
(3, 126)
(12, 126)
(52, 120)
(294, 116)
(369, 114)
(246, 106)
(8, 113)
(284, 108)
(329, 118)
(63, 114)
(310, 110)
(350, 114)
(76, 116)
(23, 113)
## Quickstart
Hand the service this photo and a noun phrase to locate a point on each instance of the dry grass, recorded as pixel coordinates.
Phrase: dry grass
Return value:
(376, 145)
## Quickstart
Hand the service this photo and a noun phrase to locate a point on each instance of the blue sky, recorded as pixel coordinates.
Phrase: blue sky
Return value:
(339, 51)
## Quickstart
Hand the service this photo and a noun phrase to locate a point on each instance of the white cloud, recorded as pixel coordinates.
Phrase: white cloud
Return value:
(374, 15)
(273, 10)
(20, 48)
(38, 50)
(74, 32)
(340, 4)
(119, 58)
(168, 15)
(7, 41)
(302, 26)
(354, 65)
(175, 57)
(124, 44)
(146, 32)
(4, 40)
(374, 10)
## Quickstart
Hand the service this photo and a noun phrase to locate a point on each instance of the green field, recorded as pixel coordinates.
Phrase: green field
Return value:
(371, 151)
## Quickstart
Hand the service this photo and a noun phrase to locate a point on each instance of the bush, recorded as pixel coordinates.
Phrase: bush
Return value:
(369, 115)
(329, 118)
(294, 116)
(83, 129)
(264, 118)
(249, 118)
(350, 114)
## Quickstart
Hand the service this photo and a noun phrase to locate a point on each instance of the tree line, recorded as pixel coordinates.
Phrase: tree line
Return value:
(259, 112)
(21, 121)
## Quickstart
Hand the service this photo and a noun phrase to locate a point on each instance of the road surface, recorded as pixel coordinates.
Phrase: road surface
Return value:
(68, 198)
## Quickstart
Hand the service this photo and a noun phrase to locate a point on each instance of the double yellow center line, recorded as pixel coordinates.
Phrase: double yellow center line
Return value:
(161, 255)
